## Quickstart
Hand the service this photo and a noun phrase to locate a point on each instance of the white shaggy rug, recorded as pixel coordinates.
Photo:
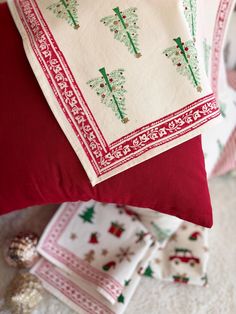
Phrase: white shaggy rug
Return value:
(154, 297)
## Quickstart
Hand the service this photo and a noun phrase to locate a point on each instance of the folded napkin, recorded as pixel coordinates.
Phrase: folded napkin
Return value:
(184, 258)
(102, 244)
(161, 226)
(124, 82)
(94, 254)
(79, 295)
(180, 253)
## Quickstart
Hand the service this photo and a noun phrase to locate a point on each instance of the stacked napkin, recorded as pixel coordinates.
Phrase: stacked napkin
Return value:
(94, 254)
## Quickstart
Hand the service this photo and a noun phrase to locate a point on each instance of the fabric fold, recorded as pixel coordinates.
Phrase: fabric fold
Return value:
(79, 295)
(94, 254)
(184, 259)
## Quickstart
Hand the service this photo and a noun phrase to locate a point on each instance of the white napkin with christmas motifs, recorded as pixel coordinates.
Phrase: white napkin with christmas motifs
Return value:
(103, 244)
(124, 82)
(109, 239)
(184, 258)
(80, 295)
(94, 253)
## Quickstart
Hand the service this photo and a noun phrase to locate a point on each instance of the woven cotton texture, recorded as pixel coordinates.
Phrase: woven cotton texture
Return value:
(99, 66)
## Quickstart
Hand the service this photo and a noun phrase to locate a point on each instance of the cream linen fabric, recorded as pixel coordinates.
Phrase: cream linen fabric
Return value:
(125, 83)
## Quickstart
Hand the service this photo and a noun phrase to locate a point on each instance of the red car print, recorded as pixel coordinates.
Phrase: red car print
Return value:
(184, 256)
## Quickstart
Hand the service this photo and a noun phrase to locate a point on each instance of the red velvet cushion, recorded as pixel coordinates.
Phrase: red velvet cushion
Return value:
(38, 165)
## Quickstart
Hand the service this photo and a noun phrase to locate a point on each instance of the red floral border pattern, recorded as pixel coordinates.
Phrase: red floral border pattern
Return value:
(104, 157)
(52, 247)
(48, 273)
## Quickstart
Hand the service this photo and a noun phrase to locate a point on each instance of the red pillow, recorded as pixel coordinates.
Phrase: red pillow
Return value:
(38, 165)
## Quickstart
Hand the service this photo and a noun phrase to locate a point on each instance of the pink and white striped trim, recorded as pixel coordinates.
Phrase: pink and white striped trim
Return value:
(51, 247)
(59, 284)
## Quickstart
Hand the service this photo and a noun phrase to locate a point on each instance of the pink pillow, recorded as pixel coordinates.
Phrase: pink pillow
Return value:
(231, 76)
(38, 165)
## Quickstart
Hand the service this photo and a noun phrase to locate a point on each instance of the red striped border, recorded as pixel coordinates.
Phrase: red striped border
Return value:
(103, 157)
(50, 275)
(52, 247)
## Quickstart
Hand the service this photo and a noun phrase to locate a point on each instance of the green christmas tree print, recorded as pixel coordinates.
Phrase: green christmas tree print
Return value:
(125, 28)
(220, 146)
(88, 215)
(161, 234)
(190, 12)
(127, 282)
(148, 272)
(110, 87)
(184, 58)
(207, 51)
(222, 109)
(205, 280)
(67, 10)
(121, 298)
